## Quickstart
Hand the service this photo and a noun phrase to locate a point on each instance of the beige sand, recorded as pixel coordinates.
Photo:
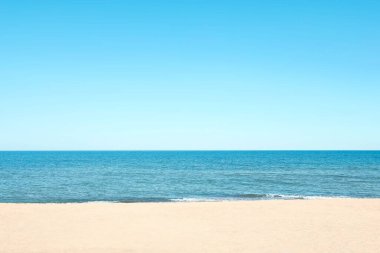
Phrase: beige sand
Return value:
(323, 226)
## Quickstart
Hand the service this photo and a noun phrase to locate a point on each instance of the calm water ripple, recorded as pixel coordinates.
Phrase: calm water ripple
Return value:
(186, 175)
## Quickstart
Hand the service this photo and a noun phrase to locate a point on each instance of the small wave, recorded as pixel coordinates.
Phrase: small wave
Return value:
(200, 199)
(240, 197)
(252, 195)
(326, 197)
(269, 196)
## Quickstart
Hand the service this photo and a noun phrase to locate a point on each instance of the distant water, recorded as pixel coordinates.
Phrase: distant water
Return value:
(190, 175)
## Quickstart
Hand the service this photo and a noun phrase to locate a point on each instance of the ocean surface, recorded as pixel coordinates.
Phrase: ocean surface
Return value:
(134, 176)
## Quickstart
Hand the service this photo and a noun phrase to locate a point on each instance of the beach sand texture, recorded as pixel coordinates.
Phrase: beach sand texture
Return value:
(278, 226)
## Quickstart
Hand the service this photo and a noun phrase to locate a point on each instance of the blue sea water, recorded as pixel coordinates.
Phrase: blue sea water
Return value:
(143, 176)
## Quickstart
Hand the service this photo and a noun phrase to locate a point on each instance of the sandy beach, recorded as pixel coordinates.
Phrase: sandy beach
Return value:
(324, 225)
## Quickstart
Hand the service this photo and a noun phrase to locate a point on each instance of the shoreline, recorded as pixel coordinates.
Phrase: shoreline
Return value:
(300, 226)
(197, 200)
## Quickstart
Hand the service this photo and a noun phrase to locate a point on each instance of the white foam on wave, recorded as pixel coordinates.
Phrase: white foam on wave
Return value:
(264, 197)
(327, 197)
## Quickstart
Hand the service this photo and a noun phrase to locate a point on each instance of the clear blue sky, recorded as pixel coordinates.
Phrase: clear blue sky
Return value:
(189, 74)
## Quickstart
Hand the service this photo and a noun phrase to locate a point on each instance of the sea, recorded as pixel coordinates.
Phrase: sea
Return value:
(171, 176)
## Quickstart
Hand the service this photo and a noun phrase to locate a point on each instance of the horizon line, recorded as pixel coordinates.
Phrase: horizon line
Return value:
(175, 150)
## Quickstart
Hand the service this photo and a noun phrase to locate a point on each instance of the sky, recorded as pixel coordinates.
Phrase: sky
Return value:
(189, 75)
